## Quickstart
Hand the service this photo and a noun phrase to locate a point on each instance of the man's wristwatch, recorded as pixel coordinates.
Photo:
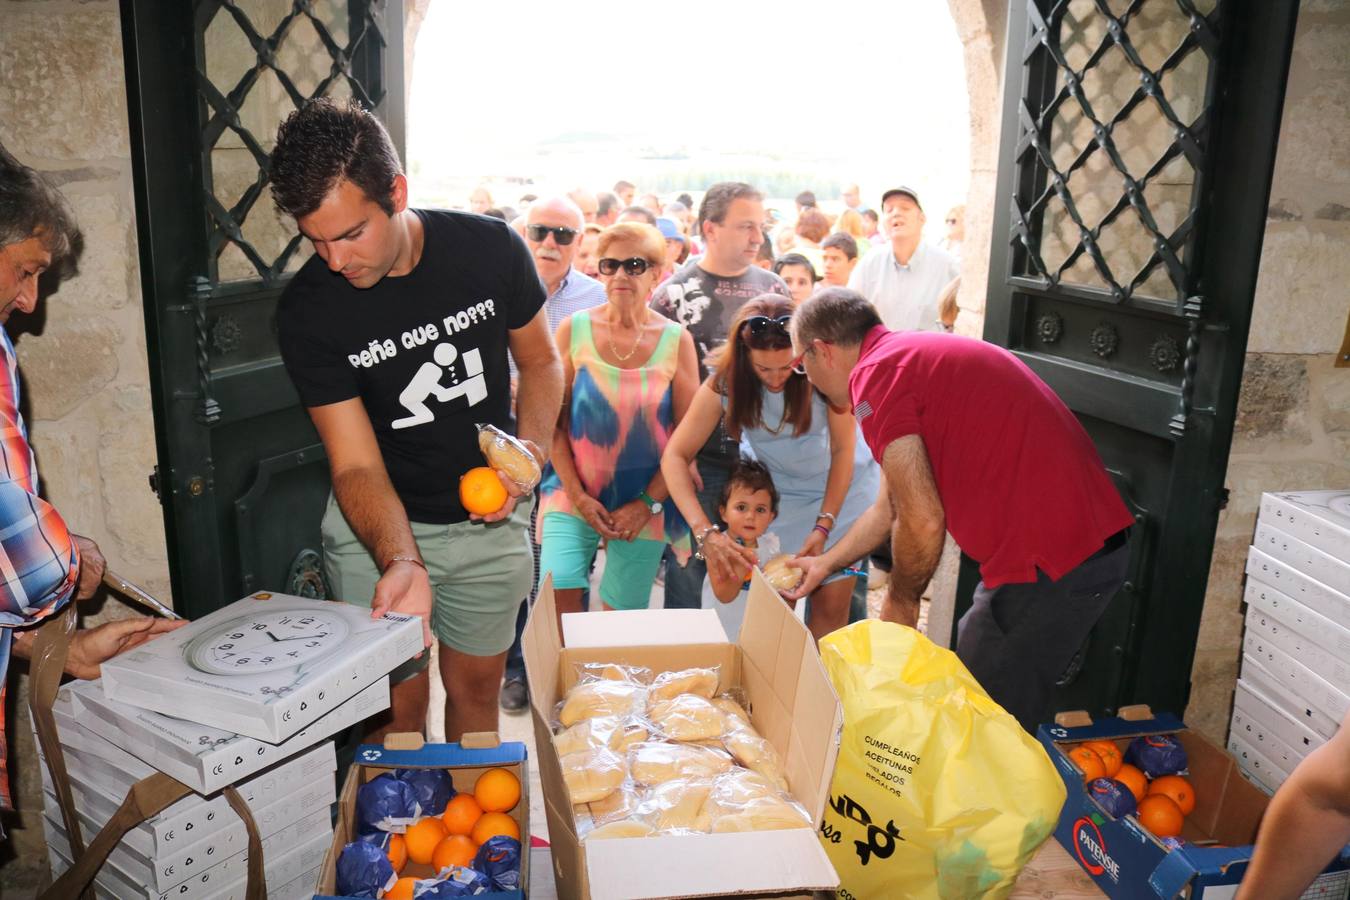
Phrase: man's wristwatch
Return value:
(653, 506)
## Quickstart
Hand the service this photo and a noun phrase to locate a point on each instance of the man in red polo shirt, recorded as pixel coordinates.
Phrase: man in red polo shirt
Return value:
(971, 441)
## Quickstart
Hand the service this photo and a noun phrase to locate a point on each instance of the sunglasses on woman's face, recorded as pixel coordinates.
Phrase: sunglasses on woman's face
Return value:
(758, 325)
(539, 233)
(633, 265)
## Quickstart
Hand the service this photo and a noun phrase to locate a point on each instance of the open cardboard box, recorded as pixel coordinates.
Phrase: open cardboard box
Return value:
(465, 761)
(791, 704)
(1123, 857)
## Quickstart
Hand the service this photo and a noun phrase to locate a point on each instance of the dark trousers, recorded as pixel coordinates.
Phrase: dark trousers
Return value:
(684, 584)
(1018, 639)
(515, 659)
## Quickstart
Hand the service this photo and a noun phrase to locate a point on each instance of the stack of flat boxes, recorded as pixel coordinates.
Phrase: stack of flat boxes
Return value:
(1294, 686)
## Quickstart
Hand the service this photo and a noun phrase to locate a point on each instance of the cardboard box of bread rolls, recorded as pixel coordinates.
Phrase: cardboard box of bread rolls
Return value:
(790, 701)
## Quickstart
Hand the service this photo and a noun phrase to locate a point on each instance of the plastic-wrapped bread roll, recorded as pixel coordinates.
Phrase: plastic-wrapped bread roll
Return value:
(732, 710)
(781, 576)
(738, 786)
(679, 805)
(761, 814)
(601, 698)
(509, 456)
(624, 828)
(668, 685)
(586, 734)
(593, 774)
(621, 804)
(687, 717)
(614, 672)
(654, 763)
(758, 755)
(634, 732)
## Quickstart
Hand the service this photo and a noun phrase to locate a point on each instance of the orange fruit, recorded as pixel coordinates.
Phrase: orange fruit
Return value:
(456, 850)
(497, 790)
(1110, 755)
(1176, 787)
(397, 852)
(493, 824)
(1134, 779)
(1087, 760)
(402, 889)
(481, 491)
(422, 837)
(1160, 815)
(461, 814)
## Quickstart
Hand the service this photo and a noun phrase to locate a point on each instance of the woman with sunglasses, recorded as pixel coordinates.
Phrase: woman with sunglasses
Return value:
(825, 476)
(629, 374)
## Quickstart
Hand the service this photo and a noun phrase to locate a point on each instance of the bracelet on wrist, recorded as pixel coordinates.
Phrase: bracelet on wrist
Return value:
(700, 538)
(823, 530)
(408, 559)
(824, 515)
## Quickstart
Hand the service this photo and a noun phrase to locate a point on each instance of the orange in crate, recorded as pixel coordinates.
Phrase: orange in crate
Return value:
(1133, 778)
(497, 790)
(456, 850)
(1087, 760)
(493, 824)
(422, 837)
(402, 889)
(397, 852)
(1160, 815)
(1176, 787)
(461, 814)
(1110, 754)
(481, 491)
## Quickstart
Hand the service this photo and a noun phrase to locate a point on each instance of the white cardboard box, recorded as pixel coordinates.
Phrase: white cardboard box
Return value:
(1317, 565)
(791, 704)
(1256, 764)
(91, 772)
(1265, 740)
(265, 666)
(1319, 518)
(1279, 631)
(204, 758)
(1275, 720)
(1286, 699)
(222, 882)
(1294, 584)
(1314, 690)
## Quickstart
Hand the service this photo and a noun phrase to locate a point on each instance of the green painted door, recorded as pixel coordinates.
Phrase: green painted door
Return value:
(1137, 145)
(242, 476)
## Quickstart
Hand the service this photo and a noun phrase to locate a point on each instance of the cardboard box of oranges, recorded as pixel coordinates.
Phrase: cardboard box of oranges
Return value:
(491, 782)
(1141, 830)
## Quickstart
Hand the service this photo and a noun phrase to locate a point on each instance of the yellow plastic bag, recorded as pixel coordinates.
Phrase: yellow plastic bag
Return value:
(938, 793)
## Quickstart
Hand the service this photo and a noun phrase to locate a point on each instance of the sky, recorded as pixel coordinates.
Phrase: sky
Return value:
(587, 93)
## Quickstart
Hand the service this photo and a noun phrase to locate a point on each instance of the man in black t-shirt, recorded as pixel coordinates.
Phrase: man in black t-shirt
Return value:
(395, 334)
(704, 295)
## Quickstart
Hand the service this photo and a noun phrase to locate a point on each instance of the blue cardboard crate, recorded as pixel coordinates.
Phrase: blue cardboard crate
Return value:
(1123, 858)
(465, 764)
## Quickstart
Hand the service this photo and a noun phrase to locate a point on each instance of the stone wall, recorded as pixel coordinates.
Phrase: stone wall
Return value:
(82, 356)
(1293, 422)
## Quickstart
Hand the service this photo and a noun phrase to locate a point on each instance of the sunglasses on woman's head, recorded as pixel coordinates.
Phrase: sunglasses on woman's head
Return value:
(758, 325)
(633, 265)
(538, 234)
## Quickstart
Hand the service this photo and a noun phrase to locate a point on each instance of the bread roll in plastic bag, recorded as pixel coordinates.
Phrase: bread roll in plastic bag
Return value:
(593, 774)
(936, 787)
(654, 763)
(624, 828)
(509, 456)
(758, 814)
(756, 754)
(595, 699)
(686, 717)
(613, 672)
(678, 805)
(668, 685)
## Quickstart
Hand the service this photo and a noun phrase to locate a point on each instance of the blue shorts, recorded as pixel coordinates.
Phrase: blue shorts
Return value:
(569, 546)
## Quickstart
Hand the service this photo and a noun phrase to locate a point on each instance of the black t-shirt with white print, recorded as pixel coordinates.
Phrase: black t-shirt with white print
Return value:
(425, 351)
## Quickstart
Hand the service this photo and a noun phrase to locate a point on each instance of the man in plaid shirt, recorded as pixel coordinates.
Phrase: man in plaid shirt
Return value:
(42, 564)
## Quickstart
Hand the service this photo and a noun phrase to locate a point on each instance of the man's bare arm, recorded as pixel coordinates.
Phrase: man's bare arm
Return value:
(540, 392)
(920, 526)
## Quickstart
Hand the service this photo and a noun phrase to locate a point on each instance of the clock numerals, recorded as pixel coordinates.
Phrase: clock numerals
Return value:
(293, 653)
(285, 620)
(313, 643)
(237, 636)
(259, 627)
(243, 660)
(307, 620)
(227, 646)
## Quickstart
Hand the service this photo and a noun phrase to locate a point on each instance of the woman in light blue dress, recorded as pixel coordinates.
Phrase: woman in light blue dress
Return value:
(823, 471)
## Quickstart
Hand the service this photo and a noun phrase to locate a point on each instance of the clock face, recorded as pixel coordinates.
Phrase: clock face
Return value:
(266, 642)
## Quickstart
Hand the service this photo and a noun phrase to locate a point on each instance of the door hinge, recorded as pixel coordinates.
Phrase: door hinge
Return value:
(1223, 499)
(154, 482)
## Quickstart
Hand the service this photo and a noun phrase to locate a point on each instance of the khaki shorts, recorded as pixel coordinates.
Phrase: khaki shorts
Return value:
(479, 576)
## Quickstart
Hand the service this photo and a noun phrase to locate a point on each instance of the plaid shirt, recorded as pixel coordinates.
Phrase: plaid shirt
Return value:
(39, 564)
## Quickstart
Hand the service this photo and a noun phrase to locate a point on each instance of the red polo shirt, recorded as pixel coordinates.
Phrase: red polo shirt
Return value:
(1020, 480)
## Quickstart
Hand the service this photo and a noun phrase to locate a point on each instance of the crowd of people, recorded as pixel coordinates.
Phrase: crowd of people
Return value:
(700, 384)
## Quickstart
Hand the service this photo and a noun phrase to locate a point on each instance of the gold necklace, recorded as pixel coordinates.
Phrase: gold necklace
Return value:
(624, 357)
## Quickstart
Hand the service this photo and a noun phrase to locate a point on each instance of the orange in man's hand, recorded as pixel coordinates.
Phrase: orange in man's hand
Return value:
(1087, 760)
(456, 850)
(461, 814)
(1134, 779)
(497, 790)
(493, 824)
(1176, 787)
(481, 491)
(1160, 815)
(422, 837)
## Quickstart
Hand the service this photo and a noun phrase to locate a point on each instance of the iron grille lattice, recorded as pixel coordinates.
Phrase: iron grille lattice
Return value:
(222, 111)
(1054, 84)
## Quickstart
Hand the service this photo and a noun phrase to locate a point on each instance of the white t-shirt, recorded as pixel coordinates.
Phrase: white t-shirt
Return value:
(906, 297)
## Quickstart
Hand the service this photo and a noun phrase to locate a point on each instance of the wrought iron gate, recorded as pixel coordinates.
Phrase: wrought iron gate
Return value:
(242, 475)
